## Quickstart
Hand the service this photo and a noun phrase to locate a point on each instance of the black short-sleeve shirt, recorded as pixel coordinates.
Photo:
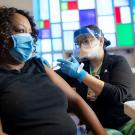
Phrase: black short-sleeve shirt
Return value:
(31, 104)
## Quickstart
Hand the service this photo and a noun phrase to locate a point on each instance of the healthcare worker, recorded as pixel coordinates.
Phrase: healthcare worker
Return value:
(103, 80)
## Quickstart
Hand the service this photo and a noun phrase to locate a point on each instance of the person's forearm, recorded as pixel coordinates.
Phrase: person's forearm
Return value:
(93, 83)
(84, 112)
(1, 131)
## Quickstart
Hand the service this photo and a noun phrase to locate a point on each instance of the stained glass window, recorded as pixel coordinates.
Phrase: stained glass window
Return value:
(133, 6)
(58, 19)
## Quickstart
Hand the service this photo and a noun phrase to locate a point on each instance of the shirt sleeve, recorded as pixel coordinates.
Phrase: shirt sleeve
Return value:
(119, 87)
(67, 78)
(45, 62)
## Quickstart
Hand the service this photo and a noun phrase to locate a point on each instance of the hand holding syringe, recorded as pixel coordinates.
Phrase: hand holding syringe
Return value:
(72, 68)
(55, 64)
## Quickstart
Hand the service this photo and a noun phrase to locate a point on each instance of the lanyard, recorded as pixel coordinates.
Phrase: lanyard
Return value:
(96, 74)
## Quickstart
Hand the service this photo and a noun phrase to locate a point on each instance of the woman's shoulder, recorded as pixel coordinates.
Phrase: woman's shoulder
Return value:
(119, 61)
(40, 60)
(116, 58)
(112, 61)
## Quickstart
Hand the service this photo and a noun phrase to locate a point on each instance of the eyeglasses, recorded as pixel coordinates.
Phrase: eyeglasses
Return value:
(87, 41)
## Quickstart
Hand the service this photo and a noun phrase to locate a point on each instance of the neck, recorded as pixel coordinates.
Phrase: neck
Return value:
(12, 66)
(96, 63)
(9, 63)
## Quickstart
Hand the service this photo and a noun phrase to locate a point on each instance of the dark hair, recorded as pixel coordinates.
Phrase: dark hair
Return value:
(98, 31)
(6, 15)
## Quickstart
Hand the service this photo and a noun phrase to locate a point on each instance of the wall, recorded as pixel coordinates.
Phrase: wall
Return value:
(129, 54)
(21, 4)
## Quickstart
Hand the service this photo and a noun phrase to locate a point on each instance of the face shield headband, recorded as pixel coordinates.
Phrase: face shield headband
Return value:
(85, 32)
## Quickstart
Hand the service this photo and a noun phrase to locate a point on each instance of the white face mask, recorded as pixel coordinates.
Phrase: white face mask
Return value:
(90, 53)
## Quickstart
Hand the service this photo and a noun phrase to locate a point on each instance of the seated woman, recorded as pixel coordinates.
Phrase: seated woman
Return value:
(33, 98)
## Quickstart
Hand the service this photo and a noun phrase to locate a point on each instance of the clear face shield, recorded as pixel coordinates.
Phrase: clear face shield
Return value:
(82, 37)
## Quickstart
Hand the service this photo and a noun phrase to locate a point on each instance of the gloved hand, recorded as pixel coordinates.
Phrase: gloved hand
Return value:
(72, 68)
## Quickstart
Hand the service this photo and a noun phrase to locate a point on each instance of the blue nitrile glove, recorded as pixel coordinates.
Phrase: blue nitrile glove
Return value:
(72, 68)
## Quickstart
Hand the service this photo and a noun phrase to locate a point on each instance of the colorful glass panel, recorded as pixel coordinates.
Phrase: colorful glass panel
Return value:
(87, 17)
(106, 23)
(64, 6)
(46, 45)
(119, 3)
(72, 5)
(41, 24)
(44, 9)
(104, 7)
(117, 15)
(87, 4)
(44, 33)
(71, 25)
(55, 11)
(57, 44)
(46, 24)
(112, 38)
(125, 35)
(125, 15)
(68, 44)
(56, 30)
(70, 16)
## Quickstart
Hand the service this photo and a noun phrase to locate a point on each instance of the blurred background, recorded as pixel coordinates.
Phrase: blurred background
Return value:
(56, 21)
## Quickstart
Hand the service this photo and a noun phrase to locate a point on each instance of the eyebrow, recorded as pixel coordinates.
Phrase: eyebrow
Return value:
(16, 25)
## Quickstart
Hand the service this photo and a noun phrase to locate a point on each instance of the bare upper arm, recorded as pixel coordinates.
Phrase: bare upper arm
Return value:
(61, 83)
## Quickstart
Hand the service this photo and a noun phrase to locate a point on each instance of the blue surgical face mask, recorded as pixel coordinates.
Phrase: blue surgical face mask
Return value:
(22, 47)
